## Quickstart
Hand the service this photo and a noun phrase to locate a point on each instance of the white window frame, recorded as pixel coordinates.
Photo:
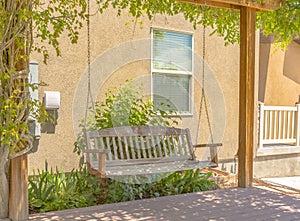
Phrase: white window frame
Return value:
(176, 72)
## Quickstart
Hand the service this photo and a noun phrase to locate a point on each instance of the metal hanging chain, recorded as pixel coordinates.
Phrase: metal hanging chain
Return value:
(203, 96)
(89, 90)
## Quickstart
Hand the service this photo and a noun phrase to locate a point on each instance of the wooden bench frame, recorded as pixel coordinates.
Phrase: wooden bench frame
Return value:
(139, 150)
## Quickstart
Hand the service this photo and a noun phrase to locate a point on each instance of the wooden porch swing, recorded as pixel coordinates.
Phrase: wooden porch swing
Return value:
(140, 150)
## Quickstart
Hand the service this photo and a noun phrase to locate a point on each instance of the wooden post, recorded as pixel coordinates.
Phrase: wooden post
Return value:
(18, 192)
(246, 96)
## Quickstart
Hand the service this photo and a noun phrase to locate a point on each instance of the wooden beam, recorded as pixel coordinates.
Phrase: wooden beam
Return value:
(211, 4)
(246, 96)
(268, 5)
(18, 190)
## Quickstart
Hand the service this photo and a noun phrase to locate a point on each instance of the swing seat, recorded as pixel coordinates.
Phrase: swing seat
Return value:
(140, 150)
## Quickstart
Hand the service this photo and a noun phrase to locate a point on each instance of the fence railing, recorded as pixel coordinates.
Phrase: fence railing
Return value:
(279, 124)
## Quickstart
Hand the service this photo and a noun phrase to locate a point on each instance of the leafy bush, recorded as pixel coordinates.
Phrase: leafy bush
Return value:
(176, 183)
(124, 107)
(49, 190)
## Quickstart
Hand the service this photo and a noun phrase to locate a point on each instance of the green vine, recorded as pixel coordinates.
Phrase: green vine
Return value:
(283, 23)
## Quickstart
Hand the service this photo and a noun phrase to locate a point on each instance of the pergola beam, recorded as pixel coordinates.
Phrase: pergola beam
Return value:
(211, 4)
(268, 5)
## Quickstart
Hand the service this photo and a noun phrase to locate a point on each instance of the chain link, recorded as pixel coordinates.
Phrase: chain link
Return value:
(89, 90)
(203, 96)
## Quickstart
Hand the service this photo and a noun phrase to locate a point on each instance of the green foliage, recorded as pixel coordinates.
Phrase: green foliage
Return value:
(124, 107)
(50, 191)
(224, 22)
(11, 125)
(57, 190)
(16, 106)
(53, 18)
(284, 23)
(176, 183)
(128, 107)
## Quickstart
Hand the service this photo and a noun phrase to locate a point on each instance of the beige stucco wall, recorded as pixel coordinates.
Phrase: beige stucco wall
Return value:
(282, 74)
(109, 36)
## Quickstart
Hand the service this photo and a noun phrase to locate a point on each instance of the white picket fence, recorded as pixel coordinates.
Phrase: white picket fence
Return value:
(279, 125)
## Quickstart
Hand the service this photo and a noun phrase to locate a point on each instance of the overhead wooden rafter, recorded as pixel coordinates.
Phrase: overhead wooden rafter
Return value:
(268, 5)
(247, 80)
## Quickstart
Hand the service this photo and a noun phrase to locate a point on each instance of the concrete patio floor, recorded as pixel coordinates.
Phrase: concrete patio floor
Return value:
(292, 182)
(233, 204)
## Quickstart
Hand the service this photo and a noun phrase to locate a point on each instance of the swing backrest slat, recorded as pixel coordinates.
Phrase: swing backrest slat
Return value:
(140, 143)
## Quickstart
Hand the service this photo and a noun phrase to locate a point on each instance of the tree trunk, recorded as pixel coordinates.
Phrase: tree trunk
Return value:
(4, 185)
(18, 188)
(14, 53)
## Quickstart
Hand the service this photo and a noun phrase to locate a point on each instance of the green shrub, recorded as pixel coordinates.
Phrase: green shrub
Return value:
(176, 183)
(51, 191)
(126, 106)
(55, 190)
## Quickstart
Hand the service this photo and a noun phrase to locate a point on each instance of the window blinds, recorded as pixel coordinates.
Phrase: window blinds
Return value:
(172, 51)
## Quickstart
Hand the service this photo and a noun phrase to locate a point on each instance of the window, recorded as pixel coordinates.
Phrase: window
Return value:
(172, 70)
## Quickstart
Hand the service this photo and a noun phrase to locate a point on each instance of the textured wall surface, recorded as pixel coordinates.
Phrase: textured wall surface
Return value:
(120, 52)
(282, 86)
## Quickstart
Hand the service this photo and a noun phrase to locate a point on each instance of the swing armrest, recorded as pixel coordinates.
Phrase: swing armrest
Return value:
(208, 145)
(213, 151)
(101, 159)
(95, 151)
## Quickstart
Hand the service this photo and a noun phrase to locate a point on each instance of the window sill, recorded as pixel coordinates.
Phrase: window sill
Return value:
(277, 150)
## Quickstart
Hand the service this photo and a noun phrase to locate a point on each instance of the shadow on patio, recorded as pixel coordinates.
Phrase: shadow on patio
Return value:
(223, 204)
